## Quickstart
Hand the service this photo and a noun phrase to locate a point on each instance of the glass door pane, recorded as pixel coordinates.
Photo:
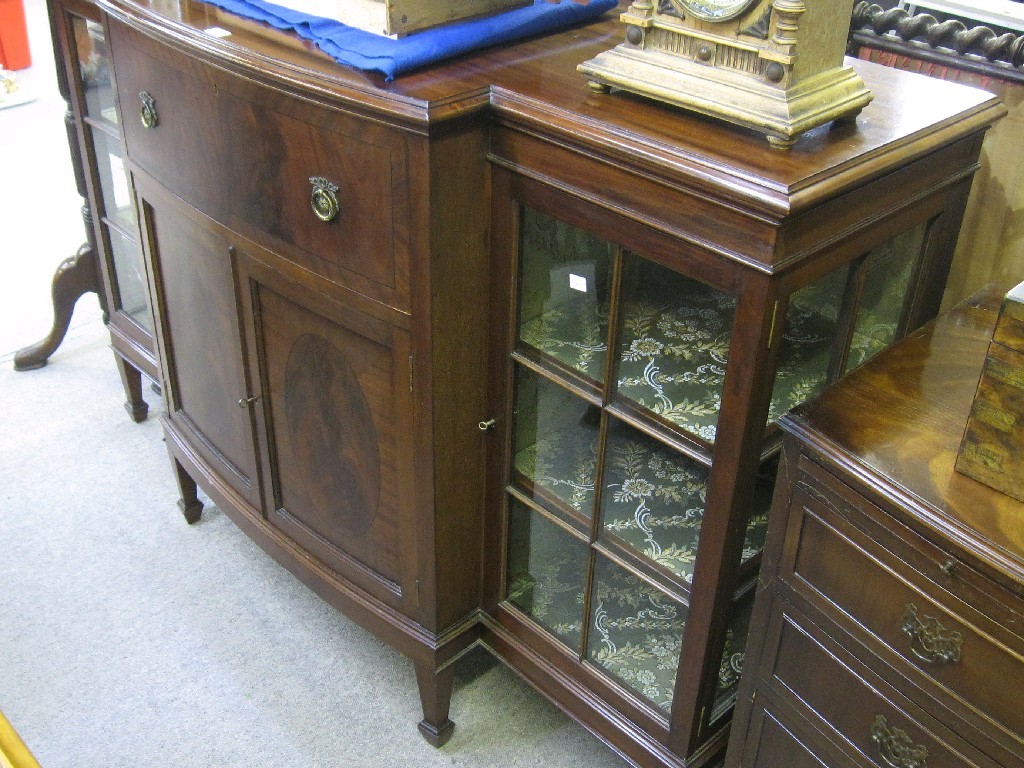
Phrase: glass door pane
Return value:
(131, 283)
(94, 69)
(653, 499)
(555, 439)
(118, 204)
(546, 573)
(673, 345)
(565, 278)
(890, 268)
(808, 342)
(636, 632)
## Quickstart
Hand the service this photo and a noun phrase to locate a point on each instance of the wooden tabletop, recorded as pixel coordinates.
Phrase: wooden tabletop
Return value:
(897, 423)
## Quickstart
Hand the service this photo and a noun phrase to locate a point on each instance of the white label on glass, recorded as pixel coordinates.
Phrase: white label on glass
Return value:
(217, 32)
(122, 194)
(578, 282)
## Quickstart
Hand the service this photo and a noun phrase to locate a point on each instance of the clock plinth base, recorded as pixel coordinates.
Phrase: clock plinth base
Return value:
(782, 114)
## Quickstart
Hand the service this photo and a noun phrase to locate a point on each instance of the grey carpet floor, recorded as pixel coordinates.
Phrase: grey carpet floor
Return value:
(130, 639)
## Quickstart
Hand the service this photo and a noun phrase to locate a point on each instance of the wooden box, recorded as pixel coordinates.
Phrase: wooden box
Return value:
(992, 450)
(395, 18)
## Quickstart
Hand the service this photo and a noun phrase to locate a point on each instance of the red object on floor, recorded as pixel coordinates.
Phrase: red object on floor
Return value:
(14, 53)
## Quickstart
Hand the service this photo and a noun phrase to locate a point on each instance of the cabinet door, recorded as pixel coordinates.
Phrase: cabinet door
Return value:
(338, 413)
(208, 395)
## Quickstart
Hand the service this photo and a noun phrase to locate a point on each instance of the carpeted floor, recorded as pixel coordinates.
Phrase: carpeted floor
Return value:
(129, 639)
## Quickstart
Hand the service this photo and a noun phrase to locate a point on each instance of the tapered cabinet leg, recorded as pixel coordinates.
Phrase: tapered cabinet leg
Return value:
(75, 277)
(131, 378)
(436, 697)
(189, 504)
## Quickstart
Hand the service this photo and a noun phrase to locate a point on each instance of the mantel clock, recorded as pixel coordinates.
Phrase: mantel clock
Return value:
(775, 66)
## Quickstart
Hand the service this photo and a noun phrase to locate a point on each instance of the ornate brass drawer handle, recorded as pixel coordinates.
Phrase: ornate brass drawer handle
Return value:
(929, 640)
(150, 119)
(324, 198)
(895, 747)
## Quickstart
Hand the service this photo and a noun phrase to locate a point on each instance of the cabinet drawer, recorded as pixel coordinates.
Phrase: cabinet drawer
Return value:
(938, 640)
(854, 706)
(248, 160)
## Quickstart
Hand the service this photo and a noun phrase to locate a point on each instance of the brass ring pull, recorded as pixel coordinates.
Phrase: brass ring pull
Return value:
(486, 425)
(895, 747)
(929, 640)
(245, 402)
(150, 119)
(324, 198)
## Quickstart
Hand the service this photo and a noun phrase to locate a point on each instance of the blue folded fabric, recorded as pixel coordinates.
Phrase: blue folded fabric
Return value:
(365, 50)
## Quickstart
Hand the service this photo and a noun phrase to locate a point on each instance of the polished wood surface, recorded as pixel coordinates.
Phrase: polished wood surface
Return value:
(890, 574)
(927, 385)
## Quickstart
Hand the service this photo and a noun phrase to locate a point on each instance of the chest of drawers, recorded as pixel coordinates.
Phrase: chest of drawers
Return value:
(892, 593)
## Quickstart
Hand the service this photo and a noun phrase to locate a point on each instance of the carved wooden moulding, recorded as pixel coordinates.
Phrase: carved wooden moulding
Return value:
(992, 450)
(775, 66)
(395, 18)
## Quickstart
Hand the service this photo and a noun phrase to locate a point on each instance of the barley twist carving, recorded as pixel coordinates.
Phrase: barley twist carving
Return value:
(951, 34)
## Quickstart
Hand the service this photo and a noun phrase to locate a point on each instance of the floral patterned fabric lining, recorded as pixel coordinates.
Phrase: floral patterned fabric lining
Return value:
(636, 631)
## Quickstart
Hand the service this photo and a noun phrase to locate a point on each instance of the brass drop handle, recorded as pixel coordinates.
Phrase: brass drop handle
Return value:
(929, 640)
(245, 402)
(324, 198)
(895, 747)
(150, 119)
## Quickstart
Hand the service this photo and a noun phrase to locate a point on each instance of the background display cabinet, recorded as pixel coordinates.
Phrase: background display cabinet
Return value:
(659, 306)
(111, 263)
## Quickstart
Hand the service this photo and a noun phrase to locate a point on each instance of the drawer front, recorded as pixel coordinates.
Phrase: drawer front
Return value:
(855, 707)
(250, 161)
(837, 566)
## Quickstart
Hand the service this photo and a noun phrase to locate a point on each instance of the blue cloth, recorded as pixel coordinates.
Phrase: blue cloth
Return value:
(365, 50)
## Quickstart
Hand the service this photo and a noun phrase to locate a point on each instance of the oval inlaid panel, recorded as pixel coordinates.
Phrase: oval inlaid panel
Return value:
(333, 439)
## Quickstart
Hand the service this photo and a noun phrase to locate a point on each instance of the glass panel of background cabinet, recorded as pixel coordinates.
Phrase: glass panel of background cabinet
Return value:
(115, 209)
(611, 453)
(110, 214)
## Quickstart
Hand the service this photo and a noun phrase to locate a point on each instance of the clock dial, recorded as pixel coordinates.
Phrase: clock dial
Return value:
(714, 10)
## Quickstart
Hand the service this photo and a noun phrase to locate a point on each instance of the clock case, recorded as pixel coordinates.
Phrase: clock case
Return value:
(775, 66)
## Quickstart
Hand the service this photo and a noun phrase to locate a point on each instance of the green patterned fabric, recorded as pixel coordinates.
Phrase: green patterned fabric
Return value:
(636, 633)
(574, 334)
(546, 573)
(653, 499)
(564, 274)
(673, 351)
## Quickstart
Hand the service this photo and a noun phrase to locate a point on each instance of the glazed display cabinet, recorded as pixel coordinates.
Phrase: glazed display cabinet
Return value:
(652, 325)
(111, 262)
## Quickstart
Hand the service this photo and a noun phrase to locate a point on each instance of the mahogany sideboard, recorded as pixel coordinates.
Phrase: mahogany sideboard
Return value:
(891, 609)
(385, 312)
